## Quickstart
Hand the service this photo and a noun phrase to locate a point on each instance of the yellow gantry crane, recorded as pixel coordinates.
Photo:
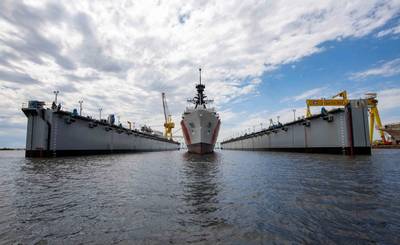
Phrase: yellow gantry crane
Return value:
(374, 117)
(328, 102)
(168, 124)
(341, 99)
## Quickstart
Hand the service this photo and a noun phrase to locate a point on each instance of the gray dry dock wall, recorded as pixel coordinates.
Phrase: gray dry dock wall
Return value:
(37, 133)
(347, 130)
(78, 136)
(360, 123)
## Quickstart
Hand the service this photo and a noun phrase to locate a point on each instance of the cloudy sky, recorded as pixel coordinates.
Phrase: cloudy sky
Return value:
(261, 59)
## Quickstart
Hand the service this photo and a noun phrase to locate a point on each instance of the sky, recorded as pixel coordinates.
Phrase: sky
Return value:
(260, 59)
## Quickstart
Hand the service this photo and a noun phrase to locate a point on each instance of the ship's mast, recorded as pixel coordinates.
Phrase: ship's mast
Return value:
(200, 75)
(199, 99)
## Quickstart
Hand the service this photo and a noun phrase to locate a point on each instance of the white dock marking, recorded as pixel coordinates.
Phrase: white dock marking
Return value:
(341, 133)
(55, 134)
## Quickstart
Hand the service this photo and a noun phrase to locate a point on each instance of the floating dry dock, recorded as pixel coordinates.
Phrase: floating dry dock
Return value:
(339, 131)
(54, 132)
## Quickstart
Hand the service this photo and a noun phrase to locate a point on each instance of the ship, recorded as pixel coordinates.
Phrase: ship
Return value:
(200, 124)
(53, 132)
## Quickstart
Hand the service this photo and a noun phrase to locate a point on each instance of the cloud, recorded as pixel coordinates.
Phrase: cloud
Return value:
(121, 55)
(388, 98)
(391, 31)
(93, 54)
(26, 40)
(387, 69)
(17, 77)
(305, 95)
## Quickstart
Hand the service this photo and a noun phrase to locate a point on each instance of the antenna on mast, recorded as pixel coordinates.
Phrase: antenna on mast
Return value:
(200, 74)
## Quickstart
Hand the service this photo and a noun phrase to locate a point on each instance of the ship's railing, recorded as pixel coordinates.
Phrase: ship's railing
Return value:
(88, 117)
(64, 108)
(25, 105)
(248, 133)
(191, 108)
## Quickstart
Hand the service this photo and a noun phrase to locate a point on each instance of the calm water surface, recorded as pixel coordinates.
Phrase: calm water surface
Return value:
(229, 197)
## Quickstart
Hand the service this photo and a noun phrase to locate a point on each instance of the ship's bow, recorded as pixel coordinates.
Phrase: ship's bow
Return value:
(201, 148)
(200, 130)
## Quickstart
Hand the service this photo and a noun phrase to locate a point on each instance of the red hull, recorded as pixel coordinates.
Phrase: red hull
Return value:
(200, 148)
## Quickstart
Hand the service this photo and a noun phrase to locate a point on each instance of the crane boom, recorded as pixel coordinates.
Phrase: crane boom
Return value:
(342, 94)
(165, 106)
(168, 124)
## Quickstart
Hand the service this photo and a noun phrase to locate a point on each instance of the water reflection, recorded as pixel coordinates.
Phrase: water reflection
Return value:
(201, 187)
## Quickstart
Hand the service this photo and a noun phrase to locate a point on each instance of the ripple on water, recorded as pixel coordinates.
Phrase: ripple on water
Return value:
(175, 197)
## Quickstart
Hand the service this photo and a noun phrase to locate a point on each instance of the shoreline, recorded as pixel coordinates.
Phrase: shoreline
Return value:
(11, 149)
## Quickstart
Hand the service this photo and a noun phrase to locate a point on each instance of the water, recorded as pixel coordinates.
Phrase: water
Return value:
(173, 197)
